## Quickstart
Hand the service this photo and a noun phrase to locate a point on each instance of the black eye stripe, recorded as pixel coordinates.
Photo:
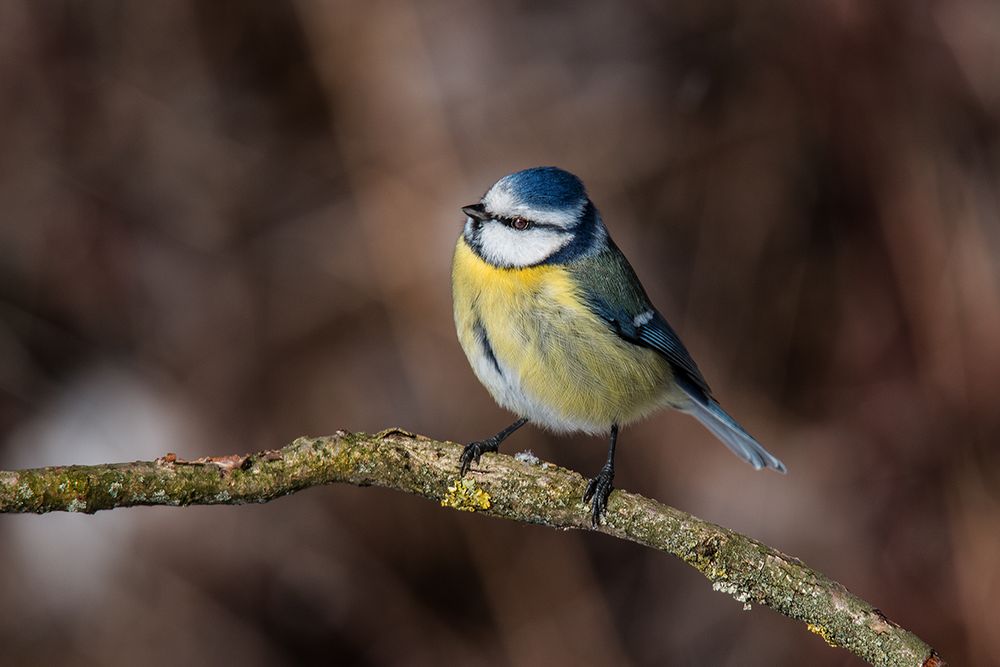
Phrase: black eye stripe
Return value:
(509, 222)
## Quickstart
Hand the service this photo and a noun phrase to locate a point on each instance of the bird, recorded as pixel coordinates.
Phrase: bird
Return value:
(560, 331)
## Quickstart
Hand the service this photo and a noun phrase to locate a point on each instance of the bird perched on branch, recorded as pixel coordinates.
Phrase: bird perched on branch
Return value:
(559, 329)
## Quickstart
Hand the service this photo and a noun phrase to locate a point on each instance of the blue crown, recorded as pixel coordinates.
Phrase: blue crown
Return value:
(546, 188)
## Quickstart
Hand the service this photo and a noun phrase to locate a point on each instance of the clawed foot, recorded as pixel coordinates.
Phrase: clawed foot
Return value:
(597, 493)
(474, 450)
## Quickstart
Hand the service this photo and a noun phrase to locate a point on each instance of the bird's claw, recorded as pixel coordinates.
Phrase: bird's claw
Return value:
(474, 451)
(597, 494)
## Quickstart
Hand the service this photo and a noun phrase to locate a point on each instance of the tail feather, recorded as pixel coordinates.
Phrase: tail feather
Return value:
(732, 435)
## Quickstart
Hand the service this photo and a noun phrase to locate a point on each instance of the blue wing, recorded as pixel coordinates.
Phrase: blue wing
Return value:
(658, 335)
(614, 293)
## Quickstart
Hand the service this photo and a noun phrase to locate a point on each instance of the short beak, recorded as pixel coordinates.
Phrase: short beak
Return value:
(476, 212)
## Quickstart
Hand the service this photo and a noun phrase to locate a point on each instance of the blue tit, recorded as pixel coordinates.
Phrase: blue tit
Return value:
(559, 329)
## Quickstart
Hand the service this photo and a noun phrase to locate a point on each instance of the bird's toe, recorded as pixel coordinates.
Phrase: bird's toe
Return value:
(473, 452)
(598, 491)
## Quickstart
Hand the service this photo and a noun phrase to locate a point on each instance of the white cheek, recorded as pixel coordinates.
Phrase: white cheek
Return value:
(504, 246)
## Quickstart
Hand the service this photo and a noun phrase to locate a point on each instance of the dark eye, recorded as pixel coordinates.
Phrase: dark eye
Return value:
(520, 224)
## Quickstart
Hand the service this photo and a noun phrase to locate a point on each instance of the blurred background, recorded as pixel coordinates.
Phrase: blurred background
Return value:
(228, 224)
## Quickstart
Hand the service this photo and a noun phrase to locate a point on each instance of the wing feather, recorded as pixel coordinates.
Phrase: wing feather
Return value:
(613, 291)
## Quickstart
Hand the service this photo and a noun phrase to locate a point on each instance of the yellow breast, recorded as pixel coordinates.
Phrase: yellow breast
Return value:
(543, 354)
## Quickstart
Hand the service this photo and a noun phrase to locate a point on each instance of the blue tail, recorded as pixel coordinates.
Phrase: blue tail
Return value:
(706, 410)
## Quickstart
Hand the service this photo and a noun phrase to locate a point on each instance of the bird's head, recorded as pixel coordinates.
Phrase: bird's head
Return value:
(532, 217)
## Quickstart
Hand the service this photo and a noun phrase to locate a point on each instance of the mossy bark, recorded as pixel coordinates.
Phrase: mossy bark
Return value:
(501, 486)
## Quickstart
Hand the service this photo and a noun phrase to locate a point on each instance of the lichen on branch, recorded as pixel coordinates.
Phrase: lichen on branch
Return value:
(501, 486)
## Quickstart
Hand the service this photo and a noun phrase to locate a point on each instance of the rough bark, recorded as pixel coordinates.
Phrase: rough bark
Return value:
(529, 491)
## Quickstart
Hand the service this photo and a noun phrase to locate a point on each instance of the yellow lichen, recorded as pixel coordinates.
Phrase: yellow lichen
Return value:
(822, 632)
(463, 495)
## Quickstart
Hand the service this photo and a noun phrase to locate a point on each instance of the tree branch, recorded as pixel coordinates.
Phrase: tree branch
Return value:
(502, 486)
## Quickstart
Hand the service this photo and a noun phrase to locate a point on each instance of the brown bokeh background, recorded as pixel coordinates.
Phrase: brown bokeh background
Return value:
(226, 224)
